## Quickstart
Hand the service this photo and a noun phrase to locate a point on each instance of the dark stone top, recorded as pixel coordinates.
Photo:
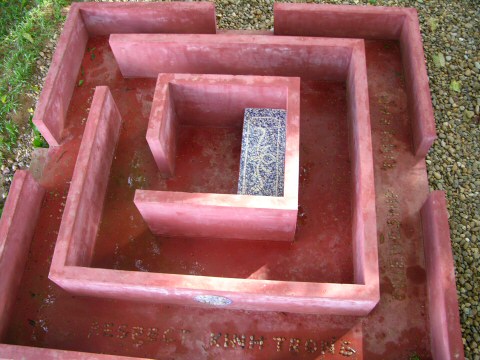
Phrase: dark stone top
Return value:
(262, 161)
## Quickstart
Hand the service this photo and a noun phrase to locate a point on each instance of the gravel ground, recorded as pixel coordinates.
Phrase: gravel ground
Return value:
(451, 38)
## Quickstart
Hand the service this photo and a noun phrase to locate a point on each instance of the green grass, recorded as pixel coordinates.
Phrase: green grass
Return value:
(10, 13)
(25, 28)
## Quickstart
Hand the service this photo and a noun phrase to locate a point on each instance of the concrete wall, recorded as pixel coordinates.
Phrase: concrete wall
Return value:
(364, 229)
(205, 100)
(220, 100)
(50, 113)
(245, 294)
(321, 298)
(445, 330)
(372, 22)
(90, 19)
(175, 17)
(147, 55)
(217, 215)
(17, 226)
(83, 210)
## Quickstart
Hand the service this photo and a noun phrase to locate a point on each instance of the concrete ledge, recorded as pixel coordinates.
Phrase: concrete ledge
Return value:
(366, 22)
(372, 22)
(418, 90)
(83, 209)
(246, 294)
(219, 100)
(17, 227)
(147, 55)
(50, 113)
(173, 17)
(364, 229)
(445, 330)
(219, 215)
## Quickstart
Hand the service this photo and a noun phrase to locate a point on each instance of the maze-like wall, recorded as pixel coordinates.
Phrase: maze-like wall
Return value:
(132, 240)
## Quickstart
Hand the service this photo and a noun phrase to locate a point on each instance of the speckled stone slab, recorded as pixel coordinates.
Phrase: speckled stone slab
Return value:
(262, 160)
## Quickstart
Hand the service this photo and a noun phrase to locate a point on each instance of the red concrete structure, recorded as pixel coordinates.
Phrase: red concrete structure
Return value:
(50, 115)
(444, 319)
(175, 17)
(372, 23)
(146, 55)
(86, 20)
(219, 101)
(23, 203)
(210, 100)
(83, 209)
(323, 259)
(226, 215)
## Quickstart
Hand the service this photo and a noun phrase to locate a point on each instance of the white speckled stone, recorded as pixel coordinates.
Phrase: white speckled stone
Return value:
(262, 161)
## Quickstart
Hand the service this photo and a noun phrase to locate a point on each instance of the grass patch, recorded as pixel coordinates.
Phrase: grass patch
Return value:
(38, 140)
(11, 13)
(25, 28)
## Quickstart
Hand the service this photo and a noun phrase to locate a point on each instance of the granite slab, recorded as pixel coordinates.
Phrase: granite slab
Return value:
(262, 160)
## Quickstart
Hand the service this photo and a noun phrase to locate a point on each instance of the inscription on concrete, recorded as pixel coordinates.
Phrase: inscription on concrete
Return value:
(387, 146)
(396, 258)
(144, 335)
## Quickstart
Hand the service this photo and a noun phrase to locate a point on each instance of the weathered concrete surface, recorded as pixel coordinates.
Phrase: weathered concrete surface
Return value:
(445, 330)
(404, 285)
(17, 226)
(364, 229)
(31, 353)
(90, 19)
(146, 55)
(175, 17)
(219, 101)
(83, 209)
(50, 113)
(372, 22)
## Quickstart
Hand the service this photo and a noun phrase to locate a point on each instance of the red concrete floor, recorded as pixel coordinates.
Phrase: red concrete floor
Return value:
(47, 316)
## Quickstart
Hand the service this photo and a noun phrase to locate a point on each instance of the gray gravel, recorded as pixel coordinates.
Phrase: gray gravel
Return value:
(451, 37)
